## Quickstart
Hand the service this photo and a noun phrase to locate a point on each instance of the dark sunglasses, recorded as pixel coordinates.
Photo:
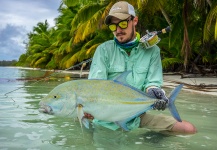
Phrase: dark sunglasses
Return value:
(123, 24)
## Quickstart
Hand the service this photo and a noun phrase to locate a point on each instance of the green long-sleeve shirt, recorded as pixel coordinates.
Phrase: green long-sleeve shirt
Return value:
(110, 60)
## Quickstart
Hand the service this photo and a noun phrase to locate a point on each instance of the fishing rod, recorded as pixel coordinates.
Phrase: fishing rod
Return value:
(149, 40)
(83, 62)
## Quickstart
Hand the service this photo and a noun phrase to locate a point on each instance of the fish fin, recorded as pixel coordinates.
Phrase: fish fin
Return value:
(122, 77)
(85, 122)
(80, 113)
(123, 125)
(171, 105)
(81, 118)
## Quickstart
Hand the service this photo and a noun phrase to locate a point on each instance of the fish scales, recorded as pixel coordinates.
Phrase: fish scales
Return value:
(107, 100)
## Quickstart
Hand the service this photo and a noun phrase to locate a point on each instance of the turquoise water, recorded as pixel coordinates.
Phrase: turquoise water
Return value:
(22, 126)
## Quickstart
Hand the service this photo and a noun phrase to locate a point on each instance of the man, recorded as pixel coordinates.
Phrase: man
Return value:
(124, 53)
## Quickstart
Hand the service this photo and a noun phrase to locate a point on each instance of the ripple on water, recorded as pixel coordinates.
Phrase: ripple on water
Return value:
(23, 127)
(32, 136)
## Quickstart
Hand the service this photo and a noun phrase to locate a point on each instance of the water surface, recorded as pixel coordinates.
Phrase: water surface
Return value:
(22, 126)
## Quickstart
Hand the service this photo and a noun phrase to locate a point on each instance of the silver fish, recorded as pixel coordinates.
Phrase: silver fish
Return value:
(107, 100)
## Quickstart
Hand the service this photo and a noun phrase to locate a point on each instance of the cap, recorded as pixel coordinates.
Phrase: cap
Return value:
(121, 10)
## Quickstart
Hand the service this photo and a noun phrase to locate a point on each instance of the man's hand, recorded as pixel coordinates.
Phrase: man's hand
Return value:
(159, 94)
(88, 116)
(160, 104)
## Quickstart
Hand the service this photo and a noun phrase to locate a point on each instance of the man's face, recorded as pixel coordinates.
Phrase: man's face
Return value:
(127, 34)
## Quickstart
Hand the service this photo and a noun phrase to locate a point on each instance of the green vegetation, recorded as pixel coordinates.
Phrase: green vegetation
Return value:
(79, 29)
(8, 63)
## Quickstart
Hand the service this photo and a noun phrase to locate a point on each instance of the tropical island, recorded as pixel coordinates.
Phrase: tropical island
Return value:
(190, 48)
(8, 62)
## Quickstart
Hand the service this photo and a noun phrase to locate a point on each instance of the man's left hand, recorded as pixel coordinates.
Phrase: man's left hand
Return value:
(160, 104)
(159, 94)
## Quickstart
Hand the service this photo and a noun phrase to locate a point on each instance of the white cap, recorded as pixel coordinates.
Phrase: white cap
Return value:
(121, 10)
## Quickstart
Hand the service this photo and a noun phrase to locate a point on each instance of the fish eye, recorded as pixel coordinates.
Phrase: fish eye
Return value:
(54, 96)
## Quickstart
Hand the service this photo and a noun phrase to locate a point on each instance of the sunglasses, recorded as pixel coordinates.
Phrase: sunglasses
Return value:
(122, 24)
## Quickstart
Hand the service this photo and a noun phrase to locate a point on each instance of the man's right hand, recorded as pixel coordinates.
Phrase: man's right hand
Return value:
(88, 116)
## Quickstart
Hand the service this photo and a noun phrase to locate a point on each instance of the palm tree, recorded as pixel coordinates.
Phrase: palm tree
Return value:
(84, 31)
(62, 35)
(80, 29)
(187, 20)
(39, 42)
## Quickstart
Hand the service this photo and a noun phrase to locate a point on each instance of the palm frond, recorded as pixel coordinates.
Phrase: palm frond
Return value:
(51, 64)
(62, 49)
(168, 62)
(211, 20)
(84, 14)
(40, 62)
(87, 28)
(69, 60)
(90, 52)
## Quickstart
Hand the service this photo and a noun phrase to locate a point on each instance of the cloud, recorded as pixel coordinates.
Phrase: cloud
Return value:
(17, 18)
(11, 42)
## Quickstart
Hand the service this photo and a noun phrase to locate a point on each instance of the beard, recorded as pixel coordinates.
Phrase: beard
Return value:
(121, 39)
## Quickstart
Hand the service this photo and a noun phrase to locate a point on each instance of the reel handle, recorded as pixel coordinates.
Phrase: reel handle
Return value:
(164, 30)
(151, 38)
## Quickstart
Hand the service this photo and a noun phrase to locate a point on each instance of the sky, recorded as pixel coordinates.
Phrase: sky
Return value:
(17, 19)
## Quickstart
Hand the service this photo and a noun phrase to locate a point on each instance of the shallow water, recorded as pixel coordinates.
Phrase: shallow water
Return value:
(22, 126)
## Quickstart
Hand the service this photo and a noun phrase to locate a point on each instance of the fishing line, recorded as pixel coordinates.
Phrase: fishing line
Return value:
(149, 40)
(6, 94)
(54, 73)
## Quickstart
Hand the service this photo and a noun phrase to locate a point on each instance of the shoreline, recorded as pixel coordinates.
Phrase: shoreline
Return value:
(193, 85)
(201, 85)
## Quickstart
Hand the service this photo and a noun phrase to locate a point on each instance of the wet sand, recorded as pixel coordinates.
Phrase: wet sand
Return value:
(203, 85)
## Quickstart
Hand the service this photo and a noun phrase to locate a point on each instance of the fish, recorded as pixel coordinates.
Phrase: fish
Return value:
(107, 100)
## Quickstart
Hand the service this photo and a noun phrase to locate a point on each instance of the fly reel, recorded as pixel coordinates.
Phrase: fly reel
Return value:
(151, 38)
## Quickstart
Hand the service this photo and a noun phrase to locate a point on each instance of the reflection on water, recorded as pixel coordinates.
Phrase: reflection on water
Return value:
(23, 127)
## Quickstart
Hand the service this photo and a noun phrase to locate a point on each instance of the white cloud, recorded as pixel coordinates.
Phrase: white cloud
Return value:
(11, 42)
(17, 18)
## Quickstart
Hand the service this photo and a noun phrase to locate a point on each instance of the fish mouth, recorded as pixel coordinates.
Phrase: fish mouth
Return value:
(45, 109)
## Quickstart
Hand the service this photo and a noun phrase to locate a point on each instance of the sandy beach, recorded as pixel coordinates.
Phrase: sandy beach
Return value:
(204, 85)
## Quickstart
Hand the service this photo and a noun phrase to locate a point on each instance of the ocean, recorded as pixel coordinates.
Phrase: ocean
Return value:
(22, 126)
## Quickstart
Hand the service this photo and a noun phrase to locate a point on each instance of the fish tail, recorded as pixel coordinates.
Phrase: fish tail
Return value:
(171, 105)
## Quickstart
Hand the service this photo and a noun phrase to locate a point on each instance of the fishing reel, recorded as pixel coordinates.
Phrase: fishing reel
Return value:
(151, 38)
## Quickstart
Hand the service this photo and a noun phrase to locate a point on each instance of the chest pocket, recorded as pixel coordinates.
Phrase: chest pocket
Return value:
(140, 76)
(115, 71)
